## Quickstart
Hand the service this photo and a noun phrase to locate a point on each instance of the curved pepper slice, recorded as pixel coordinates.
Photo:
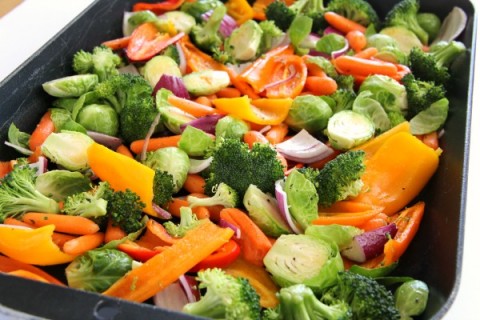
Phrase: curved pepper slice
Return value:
(32, 246)
(259, 111)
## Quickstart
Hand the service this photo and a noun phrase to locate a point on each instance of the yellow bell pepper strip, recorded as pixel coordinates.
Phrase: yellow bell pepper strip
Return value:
(164, 268)
(397, 172)
(32, 246)
(239, 10)
(123, 173)
(258, 278)
(259, 111)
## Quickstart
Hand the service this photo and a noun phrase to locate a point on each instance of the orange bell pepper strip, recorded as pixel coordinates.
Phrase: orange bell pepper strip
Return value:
(32, 246)
(158, 7)
(123, 173)
(239, 10)
(397, 172)
(198, 60)
(371, 146)
(288, 77)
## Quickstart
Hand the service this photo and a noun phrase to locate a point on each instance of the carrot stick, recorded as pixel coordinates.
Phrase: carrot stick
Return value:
(166, 267)
(254, 243)
(355, 219)
(367, 53)
(60, 238)
(83, 243)
(321, 86)
(252, 136)
(380, 220)
(176, 203)
(123, 149)
(42, 131)
(194, 183)
(229, 92)
(341, 23)
(113, 232)
(194, 108)
(364, 67)
(277, 133)
(63, 223)
(155, 143)
(8, 265)
(117, 44)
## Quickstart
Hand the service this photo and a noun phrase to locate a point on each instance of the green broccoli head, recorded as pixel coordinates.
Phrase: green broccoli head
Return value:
(19, 195)
(270, 34)
(223, 195)
(125, 209)
(88, 204)
(237, 166)
(300, 303)
(163, 187)
(188, 221)
(226, 297)
(366, 297)
(340, 178)
(404, 14)
(359, 11)
(280, 14)
(421, 94)
(207, 36)
(343, 99)
(102, 62)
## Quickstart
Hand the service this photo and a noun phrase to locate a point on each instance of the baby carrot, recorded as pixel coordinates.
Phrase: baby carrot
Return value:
(63, 223)
(341, 23)
(254, 136)
(356, 40)
(229, 92)
(15, 222)
(176, 203)
(155, 143)
(194, 184)
(364, 67)
(60, 238)
(123, 149)
(204, 100)
(277, 133)
(113, 232)
(83, 243)
(380, 220)
(194, 108)
(367, 53)
(321, 86)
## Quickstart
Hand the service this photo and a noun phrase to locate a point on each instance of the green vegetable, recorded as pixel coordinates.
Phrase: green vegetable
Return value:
(344, 99)
(18, 194)
(72, 86)
(99, 118)
(391, 94)
(366, 297)
(271, 35)
(138, 18)
(359, 11)
(206, 35)
(366, 104)
(188, 221)
(280, 14)
(58, 148)
(237, 166)
(197, 8)
(102, 61)
(309, 112)
(430, 119)
(163, 187)
(421, 94)
(404, 14)
(302, 259)
(406, 40)
(173, 118)
(298, 31)
(158, 66)
(172, 160)
(244, 42)
(429, 22)
(284, 15)
(195, 142)
(59, 184)
(302, 198)
(263, 210)
(225, 297)
(125, 209)
(330, 43)
(341, 235)
(347, 129)
(411, 298)
(89, 204)
(230, 127)
(19, 139)
(388, 48)
(96, 270)
(62, 120)
(300, 303)
(182, 21)
(223, 195)
(206, 82)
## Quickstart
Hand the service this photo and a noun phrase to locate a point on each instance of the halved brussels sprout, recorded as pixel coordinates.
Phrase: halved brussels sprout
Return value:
(99, 118)
(68, 149)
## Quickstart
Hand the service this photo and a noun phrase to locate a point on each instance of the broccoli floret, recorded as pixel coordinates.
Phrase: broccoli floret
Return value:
(313, 9)
(88, 204)
(359, 11)
(283, 15)
(366, 297)
(237, 166)
(125, 209)
(421, 94)
(163, 187)
(224, 196)
(206, 36)
(19, 195)
(404, 14)
(280, 14)
(102, 62)
(434, 65)
(226, 297)
(343, 100)
(270, 34)
(197, 8)
(300, 303)
(395, 117)
(340, 178)
(188, 221)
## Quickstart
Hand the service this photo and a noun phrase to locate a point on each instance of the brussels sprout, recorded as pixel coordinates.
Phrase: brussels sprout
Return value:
(406, 39)
(341, 235)
(173, 160)
(330, 43)
(429, 22)
(264, 211)
(411, 298)
(347, 129)
(62, 120)
(388, 49)
(59, 184)
(244, 42)
(309, 112)
(391, 94)
(158, 66)
(195, 142)
(183, 22)
(96, 270)
(231, 128)
(302, 198)
(197, 8)
(430, 119)
(173, 118)
(371, 108)
(99, 118)
(134, 19)
(72, 86)
(303, 259)
(68, 149)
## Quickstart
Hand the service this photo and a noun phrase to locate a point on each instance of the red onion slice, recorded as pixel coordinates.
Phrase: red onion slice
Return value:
(227, 25)
(303, 147)
(206, 123)
(197, 166)
(172, 297)
(281, 197)
(226, 224)
(105, 139)
(162, 213)
(172, 83)
(189, 285)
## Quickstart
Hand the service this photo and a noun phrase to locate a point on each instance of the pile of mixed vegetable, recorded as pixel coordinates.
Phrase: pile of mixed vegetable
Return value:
(238, 159)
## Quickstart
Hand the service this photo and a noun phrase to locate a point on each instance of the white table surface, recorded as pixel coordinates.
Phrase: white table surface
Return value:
(24, 30)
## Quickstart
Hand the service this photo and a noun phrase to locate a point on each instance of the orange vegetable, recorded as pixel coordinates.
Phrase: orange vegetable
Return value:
(341, 23)
(62, 223)
(372, 146)
(364, 67)
(27, 275)
(155, 236)
(430, 139)
(367, 53)
(113, 232)
(253, 136)
(378, 221)
(9, 265)
(229, 92)
(83, 243)
(123, 149)
(166, 267)
(191, 107)
(277, 133)
(355, 219)
(158, 7)
(203, 100)
(321, 86)
(288, 77)
(176, 203)
(155, 143)
(5, 167)
(356, 40)
(117, 44)
(196, 59)
(41, 132)
(60, 238)
(240, 10)
(195, 183)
